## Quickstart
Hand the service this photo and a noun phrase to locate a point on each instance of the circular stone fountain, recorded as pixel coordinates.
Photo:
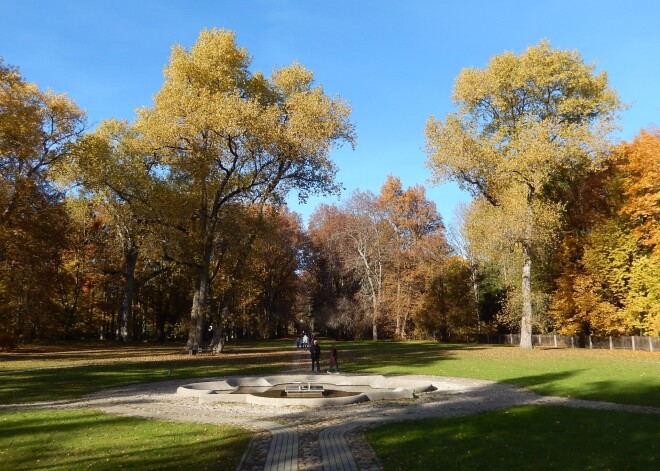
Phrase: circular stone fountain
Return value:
(309, 390)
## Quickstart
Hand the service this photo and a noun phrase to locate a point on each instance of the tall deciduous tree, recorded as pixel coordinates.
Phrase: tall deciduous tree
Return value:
(448, 303)
(367, 249)
(271, 271)
(37, 130)
(227, 135)
(358, 238)
(522, 121)
(110, 168)
(412, 218)
(330, 281)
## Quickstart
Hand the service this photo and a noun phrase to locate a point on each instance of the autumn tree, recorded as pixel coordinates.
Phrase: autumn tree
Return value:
(640, 165)
(33, 241)
(412, 219)
(521, 121)
(360, 238)
(111, 169)
(367, 250)
(376, 257)
(461, 244)
(490, 231)
(641, 174)
(37, 130)
(226, 135)
(329, 279)
(269, 280)
(448, 305)
(609, 257)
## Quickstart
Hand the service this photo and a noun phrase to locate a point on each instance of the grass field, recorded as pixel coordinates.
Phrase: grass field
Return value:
(70, 371)
(540, 437)
(85, 439)
(620, 376)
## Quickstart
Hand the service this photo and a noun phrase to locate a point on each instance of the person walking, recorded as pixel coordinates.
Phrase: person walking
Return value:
(315, 351)
(334, 363)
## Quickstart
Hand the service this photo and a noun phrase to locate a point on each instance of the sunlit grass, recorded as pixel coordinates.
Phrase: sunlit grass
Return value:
(617, 376)
(86, 439)
(538, 438)
(69, 371)
(28, 376)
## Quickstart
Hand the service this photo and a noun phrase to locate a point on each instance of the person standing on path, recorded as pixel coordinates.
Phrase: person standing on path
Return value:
(334, 363)
(315, 351)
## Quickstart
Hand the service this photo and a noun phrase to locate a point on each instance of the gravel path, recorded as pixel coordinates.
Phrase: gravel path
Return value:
(318, 427)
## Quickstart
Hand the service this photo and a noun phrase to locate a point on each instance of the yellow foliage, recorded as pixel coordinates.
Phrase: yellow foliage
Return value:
(522, 122)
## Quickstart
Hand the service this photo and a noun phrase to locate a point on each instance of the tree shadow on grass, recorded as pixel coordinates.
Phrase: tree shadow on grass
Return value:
(72, 382)
(615, 391)
(108, 351)
(528, 437)
(395, 357)
(542, 380)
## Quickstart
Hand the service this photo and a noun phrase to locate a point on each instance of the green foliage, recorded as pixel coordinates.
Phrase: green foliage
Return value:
(540, 438)
(93, 440)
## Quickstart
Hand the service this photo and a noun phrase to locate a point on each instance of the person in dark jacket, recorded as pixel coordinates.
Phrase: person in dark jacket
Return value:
(315, 351)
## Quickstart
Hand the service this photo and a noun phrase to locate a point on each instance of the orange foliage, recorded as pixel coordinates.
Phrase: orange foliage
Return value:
(641, 167)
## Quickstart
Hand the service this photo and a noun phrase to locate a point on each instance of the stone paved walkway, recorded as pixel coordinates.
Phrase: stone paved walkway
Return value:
(317, 439)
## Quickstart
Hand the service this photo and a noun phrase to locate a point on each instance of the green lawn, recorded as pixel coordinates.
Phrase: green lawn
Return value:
(538, 438)
(616, 376)
(65, 373)
(86, 439)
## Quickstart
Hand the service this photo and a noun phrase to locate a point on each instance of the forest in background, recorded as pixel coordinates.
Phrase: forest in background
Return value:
(174, 226)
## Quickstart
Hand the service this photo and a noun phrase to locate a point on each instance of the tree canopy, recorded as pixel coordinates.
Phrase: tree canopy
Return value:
(226, 135)
(174, 225)
(521, 122)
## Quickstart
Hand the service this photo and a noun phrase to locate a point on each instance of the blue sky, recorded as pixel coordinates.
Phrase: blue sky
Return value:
(394, 61)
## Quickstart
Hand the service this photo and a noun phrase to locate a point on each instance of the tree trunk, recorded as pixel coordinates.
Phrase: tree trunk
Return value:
(161, 313)
(526, 320)
(526, 288)
(374, 326)
(474, 277)
(399, 324)
(218, 341)
(128, 291)
(199, 311)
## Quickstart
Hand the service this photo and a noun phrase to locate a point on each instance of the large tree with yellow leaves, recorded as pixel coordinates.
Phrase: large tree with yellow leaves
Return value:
(223, 134)
(523, 121)
(37, 132)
